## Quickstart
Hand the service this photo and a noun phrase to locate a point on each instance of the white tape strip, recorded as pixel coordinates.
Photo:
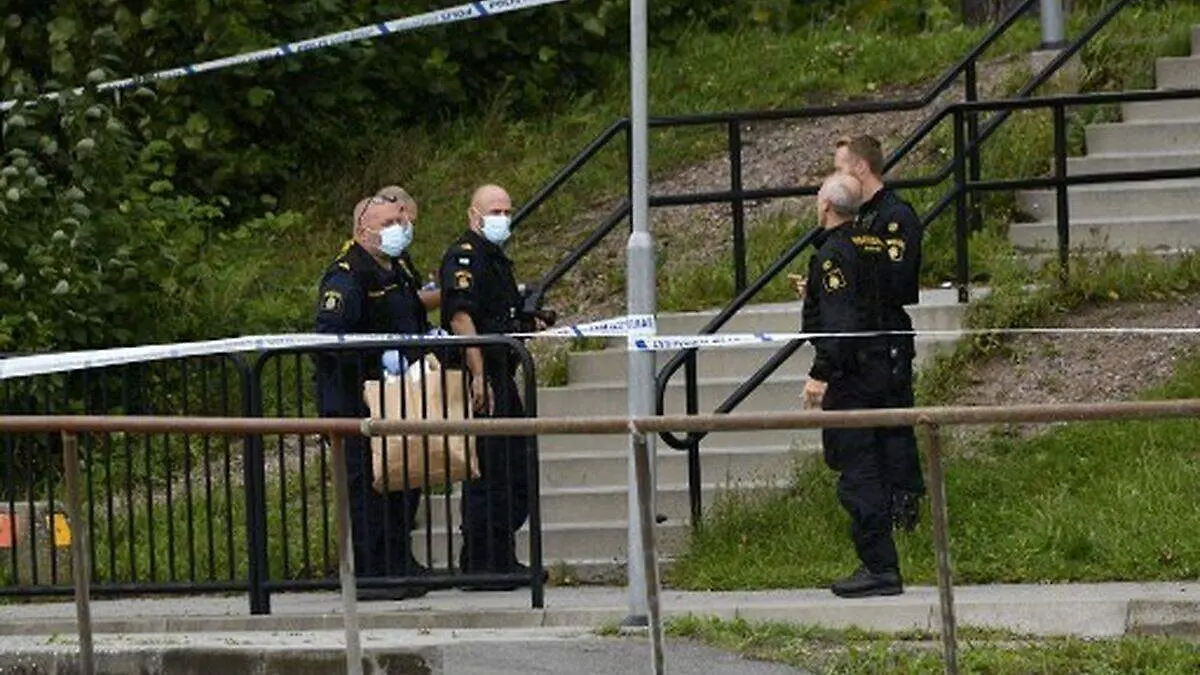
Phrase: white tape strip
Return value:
(42, 364)
(676, 342)
(634, 324)
(638, 329)
(472, 10)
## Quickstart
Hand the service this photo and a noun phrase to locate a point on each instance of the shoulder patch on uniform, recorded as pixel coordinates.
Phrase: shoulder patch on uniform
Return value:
(893, 227)
(462, 280)
(895, 249)
(833, 280)
(331, 301)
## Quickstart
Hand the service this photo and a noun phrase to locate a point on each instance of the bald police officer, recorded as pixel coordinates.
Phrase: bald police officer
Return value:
(373, 287)
(479, 297)
(845, 283)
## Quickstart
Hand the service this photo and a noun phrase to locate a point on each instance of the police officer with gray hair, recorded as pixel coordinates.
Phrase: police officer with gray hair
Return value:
(846, 279)
(373, 287)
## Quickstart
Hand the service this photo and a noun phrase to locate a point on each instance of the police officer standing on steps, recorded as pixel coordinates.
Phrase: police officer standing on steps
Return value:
(480, 297)
(845, 280)
(373, 287)
(887, 216)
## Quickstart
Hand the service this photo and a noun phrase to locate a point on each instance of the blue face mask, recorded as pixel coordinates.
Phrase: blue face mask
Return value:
(394, 238)
(497, 228)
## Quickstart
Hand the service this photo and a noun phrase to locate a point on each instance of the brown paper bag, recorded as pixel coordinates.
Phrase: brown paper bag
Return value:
(422, 451)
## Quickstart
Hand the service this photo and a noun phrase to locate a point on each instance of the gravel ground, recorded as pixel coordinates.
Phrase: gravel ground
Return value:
(775, 154)
(1080, 368)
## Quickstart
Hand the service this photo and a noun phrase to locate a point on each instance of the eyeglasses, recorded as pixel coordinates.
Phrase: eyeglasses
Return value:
(376, 201)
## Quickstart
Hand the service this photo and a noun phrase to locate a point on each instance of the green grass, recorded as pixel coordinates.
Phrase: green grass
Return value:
(271, 286)
(1085, 502)
(265, 279)
(980, 651)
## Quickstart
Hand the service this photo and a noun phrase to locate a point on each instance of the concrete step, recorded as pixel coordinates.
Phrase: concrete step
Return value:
(937, 309)
(611, 366)
(584, 504)
(1121, 234)
(1158, 199)
(599, 540)
(614, 443)
(718, 465)
(1122, 162)
(779, 393)
(1177, 72)
(1144, 137)
(1157, 111)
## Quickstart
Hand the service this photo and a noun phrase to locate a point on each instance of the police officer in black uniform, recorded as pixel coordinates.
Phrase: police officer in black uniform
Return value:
(373, 287)
(845, 282)
(887, 216)
(479, 297)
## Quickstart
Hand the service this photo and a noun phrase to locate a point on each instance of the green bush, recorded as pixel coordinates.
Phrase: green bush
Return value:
(111, 205)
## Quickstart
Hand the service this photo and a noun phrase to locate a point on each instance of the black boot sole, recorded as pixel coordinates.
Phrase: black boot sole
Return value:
(871, 592)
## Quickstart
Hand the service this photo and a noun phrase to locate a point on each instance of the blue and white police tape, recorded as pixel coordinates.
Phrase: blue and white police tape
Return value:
(635, 324)
(471, 10)
(637, 329)
(43, 364)
(726, 340)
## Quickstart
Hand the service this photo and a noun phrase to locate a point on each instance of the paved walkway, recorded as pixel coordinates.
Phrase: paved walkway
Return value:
(1080, 609)
(472, 652)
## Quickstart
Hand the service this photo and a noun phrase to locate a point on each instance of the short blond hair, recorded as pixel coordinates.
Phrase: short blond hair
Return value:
(865, 147)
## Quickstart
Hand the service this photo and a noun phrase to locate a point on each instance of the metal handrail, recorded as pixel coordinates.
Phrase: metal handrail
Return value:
(928, 419)
(964, 65)
(972, 148)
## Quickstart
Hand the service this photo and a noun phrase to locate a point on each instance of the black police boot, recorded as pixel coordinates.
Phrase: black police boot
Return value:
(394, 593)
(906, 510)
(864, 584)
(516, 567)
(413, 569)
(470, 564)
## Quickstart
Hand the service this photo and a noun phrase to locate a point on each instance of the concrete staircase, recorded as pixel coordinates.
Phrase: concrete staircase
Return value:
(584, 478)
(1161, 216)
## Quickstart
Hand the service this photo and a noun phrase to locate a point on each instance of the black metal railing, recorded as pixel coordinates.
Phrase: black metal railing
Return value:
(191, 514)
(737, 195)
(966, 160)
(961, 191)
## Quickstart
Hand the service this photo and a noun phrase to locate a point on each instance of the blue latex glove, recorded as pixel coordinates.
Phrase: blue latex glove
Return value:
(394, 363)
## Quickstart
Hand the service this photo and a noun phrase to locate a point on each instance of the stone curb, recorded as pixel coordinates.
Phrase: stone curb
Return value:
(1085, 617)
(175, 660)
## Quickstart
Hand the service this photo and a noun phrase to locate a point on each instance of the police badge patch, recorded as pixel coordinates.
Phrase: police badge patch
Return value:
(462, 280)
(895, 249)
(331, 301)
(833, 280)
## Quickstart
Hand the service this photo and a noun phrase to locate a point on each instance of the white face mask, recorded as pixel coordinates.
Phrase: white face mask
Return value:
(496, 228)
(394, 238)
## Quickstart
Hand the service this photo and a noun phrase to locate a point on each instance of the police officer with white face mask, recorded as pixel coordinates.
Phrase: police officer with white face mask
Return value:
(480, 297)
(373, 287)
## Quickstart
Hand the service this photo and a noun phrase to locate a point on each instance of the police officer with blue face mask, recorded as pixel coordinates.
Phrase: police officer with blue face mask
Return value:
(480, 297)
(373, 287)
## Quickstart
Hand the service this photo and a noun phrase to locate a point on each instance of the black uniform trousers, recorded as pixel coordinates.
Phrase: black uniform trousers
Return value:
(902, 457)
(496, 504)
(859, 456)
(380, 524)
